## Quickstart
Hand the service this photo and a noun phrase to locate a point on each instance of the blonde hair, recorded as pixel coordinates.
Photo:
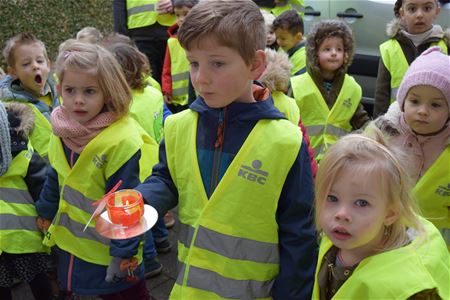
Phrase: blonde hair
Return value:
(101, 63)
(24, 38)
(236, 24)
(365, 155)
(89, 34)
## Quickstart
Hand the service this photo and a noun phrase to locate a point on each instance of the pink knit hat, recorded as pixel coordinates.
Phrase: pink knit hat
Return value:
(431, 68)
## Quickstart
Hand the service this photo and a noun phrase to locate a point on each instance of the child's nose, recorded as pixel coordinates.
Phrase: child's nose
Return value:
(201, 76)
(342, 214)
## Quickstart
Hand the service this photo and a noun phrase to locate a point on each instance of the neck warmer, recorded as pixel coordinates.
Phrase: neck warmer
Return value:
(75, 135)
(5, 140)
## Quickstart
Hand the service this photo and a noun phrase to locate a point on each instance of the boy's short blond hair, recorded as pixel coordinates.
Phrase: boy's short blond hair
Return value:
(24, 38)
(236, 24)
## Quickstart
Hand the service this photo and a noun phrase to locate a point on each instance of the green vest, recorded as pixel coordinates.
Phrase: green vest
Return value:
(18, 230)
(101, 158)
(396, 274)
(432, 192)
(325, 126)
(179, 71)
(287, 106)
(395, 62)
(152, 82)
(298, 60)
(291, 4)
(228, 247)
(147, 109)
(143, 13)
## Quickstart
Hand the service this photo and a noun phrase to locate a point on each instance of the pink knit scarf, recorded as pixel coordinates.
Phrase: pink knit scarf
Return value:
(75, 135)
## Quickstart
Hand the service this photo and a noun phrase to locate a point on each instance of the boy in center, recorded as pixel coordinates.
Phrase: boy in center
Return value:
(239, 172)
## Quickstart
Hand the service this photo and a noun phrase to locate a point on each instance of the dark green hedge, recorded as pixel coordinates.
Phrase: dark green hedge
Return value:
(52, 21)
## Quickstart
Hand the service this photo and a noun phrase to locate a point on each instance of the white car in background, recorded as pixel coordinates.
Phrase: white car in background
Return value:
(368, 19)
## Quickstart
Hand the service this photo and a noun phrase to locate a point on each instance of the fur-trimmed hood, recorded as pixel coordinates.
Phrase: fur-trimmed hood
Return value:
(278, 71)
(21, 119)
(325, 29)
(397, 24)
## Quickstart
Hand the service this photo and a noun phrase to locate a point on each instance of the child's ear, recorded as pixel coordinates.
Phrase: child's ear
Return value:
(258, 64)
(11, 71)
(299, 36)
(391, 216)
(58, 88)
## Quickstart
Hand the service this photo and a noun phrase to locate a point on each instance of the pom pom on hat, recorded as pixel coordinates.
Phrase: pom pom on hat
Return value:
(432, 68)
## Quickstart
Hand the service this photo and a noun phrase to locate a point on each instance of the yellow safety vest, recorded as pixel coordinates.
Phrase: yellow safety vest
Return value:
(297, 5)
(432, 192)
(85, 182)
(179, 69)
(396, 274)
(228, 244)
(298, 60)
(18, 230)
(143, 13)
(147, 109)
(325, 126)
(287, 106)
(153, 83)
(395, 62)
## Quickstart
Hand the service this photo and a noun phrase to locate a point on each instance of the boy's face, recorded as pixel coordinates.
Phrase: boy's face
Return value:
(31, 67)
(181, 13)
(331, 56)
(220, 75)
(419, 15)
(271, 38)
(286, 40)
(426, 109)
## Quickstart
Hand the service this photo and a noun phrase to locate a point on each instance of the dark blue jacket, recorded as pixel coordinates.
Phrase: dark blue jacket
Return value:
(87, 278)
(297, 236)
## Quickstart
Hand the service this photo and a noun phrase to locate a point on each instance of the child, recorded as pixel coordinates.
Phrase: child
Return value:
(419, 122)
(175, 74)
(271, 38)
(89, 34)
(374, 246)
(410, 32)
(31, 84)
(22, 174)
(147, 109)
(238, 170)
(329, 99)
(94, 145)
(276, 78)
(288, 29)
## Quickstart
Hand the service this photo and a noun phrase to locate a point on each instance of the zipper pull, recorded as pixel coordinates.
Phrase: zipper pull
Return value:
(219, 140)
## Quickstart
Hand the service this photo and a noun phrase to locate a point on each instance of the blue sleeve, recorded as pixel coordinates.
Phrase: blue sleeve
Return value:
(297, 236)
(129, 174)
(166, 112)
(48, 202)
(159, 190)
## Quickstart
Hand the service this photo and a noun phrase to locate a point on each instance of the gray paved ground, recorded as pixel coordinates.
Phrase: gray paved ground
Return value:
(158, 286)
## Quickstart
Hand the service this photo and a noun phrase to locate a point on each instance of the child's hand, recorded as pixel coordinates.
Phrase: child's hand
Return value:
(164, 7)
(121, 268)
(167, 99)
(43, 224)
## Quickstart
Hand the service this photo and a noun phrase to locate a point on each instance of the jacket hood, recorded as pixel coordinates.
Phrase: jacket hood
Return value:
(263, 108)
(397, 24)
(20, 118)
(172, 30)
(326, 29)
(277, 74)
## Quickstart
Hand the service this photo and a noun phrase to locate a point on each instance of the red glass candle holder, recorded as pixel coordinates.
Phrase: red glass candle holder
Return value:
(125, 207)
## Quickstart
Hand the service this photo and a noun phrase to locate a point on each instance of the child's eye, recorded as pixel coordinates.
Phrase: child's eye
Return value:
(193, 64)
(90, 91)
(217, 64)
(332, 198)
(413, 101)
(25, 64)
(361, 203)
(411, 9)
(436, 105)
(68, 90)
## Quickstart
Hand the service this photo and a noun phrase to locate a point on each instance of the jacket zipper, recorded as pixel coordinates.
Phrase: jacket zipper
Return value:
(218, 146)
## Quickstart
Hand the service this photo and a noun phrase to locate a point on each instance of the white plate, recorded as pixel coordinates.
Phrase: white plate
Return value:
(106, 228)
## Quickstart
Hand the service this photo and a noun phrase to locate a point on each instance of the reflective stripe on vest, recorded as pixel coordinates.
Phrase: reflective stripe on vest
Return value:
(395, 62)
(221, 251)
(18, 229)
(432, 191)
(325, 126)
(100, 159)
(147, 109)
(143, 13)
(287, 106)
(179, 69)
(298, 60)
(398, 273)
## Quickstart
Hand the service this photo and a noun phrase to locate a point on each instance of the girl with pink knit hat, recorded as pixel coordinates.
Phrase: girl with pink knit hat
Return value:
(419, 123)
